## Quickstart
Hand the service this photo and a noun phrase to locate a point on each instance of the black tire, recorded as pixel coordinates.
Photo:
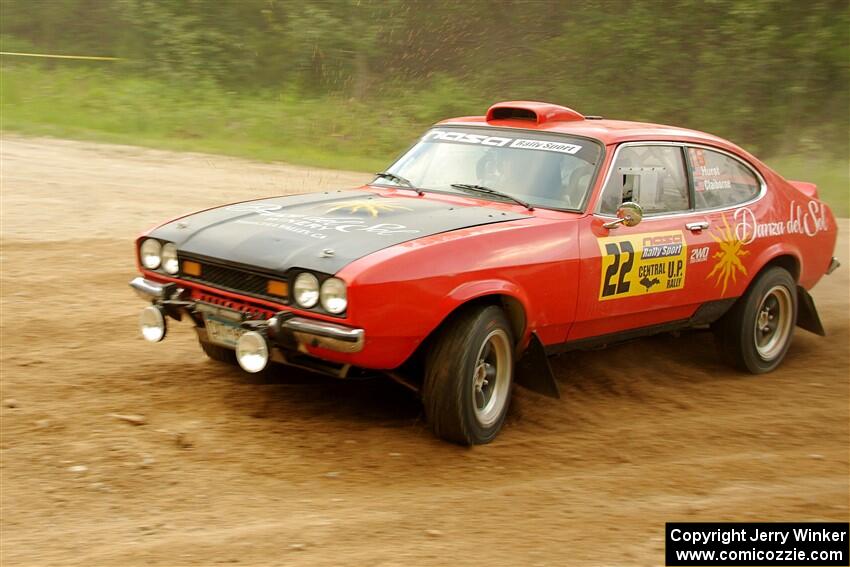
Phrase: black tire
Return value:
(754, 335)
(219, 354)
(461, 404)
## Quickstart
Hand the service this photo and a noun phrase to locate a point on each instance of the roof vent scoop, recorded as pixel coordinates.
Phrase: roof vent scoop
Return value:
(539, 112)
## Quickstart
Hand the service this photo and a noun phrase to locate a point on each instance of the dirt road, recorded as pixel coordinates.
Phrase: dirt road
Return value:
(309, 471)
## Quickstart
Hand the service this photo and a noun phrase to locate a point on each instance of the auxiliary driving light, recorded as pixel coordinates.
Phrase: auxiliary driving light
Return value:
(252, 352)
(152, 324)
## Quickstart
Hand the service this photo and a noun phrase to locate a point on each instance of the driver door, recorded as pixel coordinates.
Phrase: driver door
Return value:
(633, 277)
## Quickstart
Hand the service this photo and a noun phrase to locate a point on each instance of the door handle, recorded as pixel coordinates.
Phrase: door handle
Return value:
(697, 226)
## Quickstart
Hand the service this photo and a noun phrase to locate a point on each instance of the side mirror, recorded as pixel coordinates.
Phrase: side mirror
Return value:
(628, 214)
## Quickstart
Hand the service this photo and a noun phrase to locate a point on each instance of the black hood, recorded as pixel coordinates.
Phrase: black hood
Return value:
(318, 231)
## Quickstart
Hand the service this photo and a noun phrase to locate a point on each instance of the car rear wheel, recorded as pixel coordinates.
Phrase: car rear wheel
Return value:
(756, 333)
(468, 377)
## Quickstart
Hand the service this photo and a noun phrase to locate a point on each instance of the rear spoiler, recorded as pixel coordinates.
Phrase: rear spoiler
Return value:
(806, 188)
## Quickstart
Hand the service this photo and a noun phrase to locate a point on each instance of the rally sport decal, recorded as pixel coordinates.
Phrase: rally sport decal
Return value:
(639, 264)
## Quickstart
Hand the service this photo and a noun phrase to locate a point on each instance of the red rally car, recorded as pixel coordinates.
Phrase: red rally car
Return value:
(492, 243)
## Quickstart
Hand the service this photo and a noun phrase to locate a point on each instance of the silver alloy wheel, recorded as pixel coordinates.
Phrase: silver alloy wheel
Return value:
(491, 379)
(773, 322)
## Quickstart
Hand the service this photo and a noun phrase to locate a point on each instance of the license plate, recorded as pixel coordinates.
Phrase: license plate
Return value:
(221, 332)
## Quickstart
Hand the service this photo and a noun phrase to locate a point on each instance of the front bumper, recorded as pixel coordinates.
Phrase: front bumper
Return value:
(285, 329)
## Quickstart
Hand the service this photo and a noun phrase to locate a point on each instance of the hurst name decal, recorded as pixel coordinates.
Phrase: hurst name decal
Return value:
(639, 264)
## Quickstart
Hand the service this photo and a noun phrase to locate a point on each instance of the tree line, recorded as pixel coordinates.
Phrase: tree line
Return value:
(770, 74)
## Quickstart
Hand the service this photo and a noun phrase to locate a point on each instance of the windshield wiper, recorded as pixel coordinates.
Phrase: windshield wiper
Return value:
(489, 191)
(403, 181)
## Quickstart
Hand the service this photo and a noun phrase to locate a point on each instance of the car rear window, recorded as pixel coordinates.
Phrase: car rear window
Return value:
(720, 180)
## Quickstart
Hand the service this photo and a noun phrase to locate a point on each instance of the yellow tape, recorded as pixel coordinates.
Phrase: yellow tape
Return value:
(92, 58)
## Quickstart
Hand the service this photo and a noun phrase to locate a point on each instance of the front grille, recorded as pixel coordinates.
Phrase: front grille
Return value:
(230, 279)
(251, 311)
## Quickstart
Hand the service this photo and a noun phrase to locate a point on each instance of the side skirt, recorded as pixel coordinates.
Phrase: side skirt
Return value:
(706, 314)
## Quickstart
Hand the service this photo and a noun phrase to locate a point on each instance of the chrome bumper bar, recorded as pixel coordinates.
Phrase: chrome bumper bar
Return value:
(147, 289)
(284, 325)
(833, 265)
(322, 334)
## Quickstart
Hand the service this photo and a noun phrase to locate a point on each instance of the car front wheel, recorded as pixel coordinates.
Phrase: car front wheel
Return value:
(468, 377)
(756, 333)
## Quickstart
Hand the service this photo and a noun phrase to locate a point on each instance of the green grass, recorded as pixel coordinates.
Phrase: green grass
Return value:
(95, 103)
(832, 176)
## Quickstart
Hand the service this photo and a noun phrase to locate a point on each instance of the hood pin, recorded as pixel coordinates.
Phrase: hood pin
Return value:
(326, 253)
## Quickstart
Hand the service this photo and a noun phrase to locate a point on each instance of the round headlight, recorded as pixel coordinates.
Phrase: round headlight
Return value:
(334, 297)
(169, 258)
(306, 290)
(150, 253)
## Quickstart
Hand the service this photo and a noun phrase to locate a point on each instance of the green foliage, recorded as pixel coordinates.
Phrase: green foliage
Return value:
(89, 103)
(303, 79)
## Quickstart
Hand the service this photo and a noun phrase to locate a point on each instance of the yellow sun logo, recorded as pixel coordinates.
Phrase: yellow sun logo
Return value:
(728, 256)
(366, 205)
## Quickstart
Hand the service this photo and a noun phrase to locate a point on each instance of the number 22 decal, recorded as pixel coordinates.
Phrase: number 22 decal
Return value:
(615, 285)
(639, 264)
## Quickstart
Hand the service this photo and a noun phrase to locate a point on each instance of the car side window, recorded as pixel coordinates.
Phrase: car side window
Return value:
(719, 180)
(653, 176)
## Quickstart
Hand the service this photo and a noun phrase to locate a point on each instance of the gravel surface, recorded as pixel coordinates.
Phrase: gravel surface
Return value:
(118, 452)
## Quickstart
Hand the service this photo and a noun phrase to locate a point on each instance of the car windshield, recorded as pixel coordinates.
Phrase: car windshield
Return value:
(545, 170)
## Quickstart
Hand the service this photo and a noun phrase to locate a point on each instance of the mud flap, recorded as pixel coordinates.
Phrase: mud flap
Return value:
(533, 370)
(807, 314)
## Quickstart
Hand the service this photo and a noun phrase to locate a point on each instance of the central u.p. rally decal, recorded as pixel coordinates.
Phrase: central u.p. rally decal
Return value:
(640, 264)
